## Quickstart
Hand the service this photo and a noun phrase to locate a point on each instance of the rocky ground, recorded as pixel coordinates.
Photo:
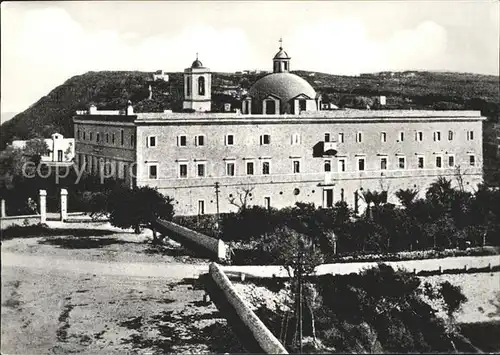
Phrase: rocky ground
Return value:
(105, 293)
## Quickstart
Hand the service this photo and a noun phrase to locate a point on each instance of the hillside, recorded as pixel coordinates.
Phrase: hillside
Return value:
(112, 89)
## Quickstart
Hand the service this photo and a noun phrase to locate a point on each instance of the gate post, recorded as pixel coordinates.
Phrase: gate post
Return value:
(64, 204)
(43, 206)
(2, 209)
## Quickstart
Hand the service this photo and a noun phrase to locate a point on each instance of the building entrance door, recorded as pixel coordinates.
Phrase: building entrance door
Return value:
(327, 198)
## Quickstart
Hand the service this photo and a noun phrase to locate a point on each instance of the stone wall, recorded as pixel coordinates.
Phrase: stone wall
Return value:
(214, 248)
(261, 338)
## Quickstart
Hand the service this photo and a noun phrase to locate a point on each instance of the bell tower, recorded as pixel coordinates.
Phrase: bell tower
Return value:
(281, 61)
(197, 87)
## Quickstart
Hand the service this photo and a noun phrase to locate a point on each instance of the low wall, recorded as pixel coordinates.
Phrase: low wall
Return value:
(214, 248)
(252, 332)
(27, 220)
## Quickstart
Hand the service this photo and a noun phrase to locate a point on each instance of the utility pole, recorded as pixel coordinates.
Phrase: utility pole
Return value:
(298, 299)
(217, 198)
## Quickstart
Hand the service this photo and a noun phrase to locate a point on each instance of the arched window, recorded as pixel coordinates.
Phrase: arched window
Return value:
(188, 87)
(201, 85)
(328, 166)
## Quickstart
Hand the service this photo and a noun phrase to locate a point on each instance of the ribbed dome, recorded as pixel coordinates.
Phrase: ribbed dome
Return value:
(197, 64)
(281, 54)
(283, 85)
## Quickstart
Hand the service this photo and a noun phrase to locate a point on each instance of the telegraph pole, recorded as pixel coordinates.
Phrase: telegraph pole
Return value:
(217, 198)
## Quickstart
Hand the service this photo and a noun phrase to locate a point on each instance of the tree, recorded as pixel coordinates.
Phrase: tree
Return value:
(35, 148)
(137, 207)
(244, 195)
(406, 197)
(294, 252)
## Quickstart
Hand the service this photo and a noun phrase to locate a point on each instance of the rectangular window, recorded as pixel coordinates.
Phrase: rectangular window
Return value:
(420, 162)
(296, 166)
(266, 168)
(437, 136)
(401, 136)
(265, 139)
(181, 141)
(113, 138)
(401, 162)
(267, 202)
(250, 168)
(153, 171)
(183, 170)
(97, 137)
(200, 169)
(107, 137)
(328, 166)
(90, 136)
(470, 135)
(472, 160)
(199, 140)
(383, 137)
(341, 137)
(361, 164)
(419, 136)
(230, 139)
(122, 137)
(151, 141)
(83, 135)
(451, 161)
(78, 133)
(295, 139)
(359, 137)
(383, 163)
(450, 135)
(439, 162)
(341, 165)
(132, 140)
(201, 207)
(327, 137)
(230, 169)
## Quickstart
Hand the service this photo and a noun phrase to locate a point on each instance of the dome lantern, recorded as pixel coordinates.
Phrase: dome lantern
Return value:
(281, 61)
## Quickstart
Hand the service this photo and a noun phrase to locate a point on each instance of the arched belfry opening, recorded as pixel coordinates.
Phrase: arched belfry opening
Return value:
(197, 87)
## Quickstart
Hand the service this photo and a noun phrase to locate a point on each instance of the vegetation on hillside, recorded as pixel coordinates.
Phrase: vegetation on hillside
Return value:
(377, 311)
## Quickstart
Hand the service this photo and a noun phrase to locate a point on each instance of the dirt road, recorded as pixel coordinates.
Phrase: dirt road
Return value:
(61, 295)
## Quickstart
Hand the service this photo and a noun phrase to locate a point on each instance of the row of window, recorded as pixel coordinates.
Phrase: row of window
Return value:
(108, 138)
(401, 163)
(265, 139)
(201, 169)
(265, 167)
(419, 136)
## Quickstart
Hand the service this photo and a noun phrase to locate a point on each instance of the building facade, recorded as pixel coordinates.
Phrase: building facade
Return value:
(277, 159)
(61, 150)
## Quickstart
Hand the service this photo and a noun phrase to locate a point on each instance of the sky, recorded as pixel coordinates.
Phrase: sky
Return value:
(45, 43)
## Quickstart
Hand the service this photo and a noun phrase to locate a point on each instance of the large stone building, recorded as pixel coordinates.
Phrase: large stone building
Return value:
(280, 149)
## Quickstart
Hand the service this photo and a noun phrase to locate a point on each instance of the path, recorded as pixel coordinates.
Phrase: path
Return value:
(162, 270)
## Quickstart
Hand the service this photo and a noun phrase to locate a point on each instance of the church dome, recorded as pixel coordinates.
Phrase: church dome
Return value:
(197, 64)
(286, 86)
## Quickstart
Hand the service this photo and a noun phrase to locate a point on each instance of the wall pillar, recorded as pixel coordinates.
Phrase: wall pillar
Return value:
(2, 209)
(43, 206)
(64, 204)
